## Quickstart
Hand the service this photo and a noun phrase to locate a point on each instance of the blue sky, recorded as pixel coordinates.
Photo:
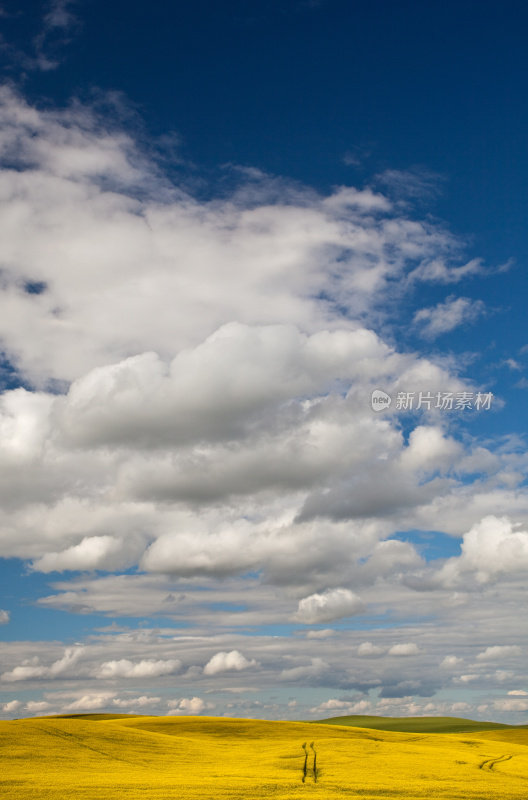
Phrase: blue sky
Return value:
(224, 225)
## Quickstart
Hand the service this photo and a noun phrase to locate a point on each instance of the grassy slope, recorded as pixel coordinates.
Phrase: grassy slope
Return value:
(191, 758)
(416, 724)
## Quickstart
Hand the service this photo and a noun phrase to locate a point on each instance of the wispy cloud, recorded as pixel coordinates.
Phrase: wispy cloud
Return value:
(59, 24)
(446, 316)
(413, 184)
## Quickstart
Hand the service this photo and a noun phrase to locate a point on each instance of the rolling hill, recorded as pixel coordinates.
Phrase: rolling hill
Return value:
(417, 724)
(105, 757)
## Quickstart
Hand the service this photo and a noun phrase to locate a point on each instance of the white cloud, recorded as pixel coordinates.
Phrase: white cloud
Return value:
(468, 678)
(4, 617)
(324, 633)
(460, 707)
(490, 549)
(24, 672)
(341, 707)
(145, 701)
(75, 191)
(11, 707)
(437, 271)
(215, 389)
(226, 662)
(451, 661)
(503, 675)
(149, 668)
(93, 701)
(510, 705)
(447, 316)
(330, 605)
(34, 670)
(429, 449)
(188, 706)
(312, 671)
(499, 651)
(404, 649)
(37, 706)
(92, 552)
(518, 692)
(370, 650)
(79, 701)
(330, 705)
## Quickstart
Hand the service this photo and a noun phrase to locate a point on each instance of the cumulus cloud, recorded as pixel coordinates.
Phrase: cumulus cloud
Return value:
(341, 707)
(67, 702)
(493, 547)
(324, 633)
(11, 707)
(144, 701)
(265, 263)
(332, 704)
(314, 671)
(214, 390)
(4, 617)
(226, 662)
(149, 668)
(330, 605)
(499, 651)
(33, 670)
(188, 706)
(510, 705)
(404, 649)
(467, 678)
(370, 650)
(447, 316)
(460, 707)
(37, 706)
(93, 701)
(429, 449)
(92, 552)
(451, 661)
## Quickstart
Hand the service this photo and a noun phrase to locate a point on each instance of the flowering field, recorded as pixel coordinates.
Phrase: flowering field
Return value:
(159, 758)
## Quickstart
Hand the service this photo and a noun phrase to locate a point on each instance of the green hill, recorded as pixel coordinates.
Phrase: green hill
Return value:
(416, 724)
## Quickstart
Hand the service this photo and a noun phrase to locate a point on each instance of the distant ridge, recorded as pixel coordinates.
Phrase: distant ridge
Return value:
(417, 724)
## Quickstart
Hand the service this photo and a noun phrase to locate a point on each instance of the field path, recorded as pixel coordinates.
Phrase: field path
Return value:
(490, 763)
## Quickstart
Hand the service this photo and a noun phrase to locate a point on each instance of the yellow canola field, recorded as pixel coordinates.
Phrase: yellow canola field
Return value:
(164, 758)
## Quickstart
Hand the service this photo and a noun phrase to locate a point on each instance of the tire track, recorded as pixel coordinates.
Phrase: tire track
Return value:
(490, 763)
